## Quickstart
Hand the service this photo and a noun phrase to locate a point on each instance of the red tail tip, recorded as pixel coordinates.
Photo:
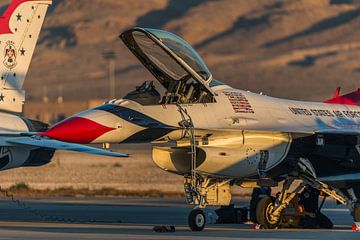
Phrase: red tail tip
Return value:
(337, 92)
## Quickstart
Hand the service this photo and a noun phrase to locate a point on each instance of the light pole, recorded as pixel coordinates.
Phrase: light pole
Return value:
(110, 55)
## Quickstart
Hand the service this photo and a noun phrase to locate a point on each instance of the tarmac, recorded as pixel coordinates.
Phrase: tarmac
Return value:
(134, 218)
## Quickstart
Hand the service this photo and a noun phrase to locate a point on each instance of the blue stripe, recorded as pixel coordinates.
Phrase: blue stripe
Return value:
(133, 116)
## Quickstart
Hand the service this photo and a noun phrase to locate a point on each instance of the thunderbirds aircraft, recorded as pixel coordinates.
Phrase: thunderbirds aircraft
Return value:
(19, 146)
(217, 136)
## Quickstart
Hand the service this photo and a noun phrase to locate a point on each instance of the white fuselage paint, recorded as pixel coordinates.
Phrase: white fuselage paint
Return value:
(270, 114)
(260, 123)
(12, 124)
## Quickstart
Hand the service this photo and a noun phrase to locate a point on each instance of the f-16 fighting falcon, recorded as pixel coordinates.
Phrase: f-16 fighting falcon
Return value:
(19, 145)
(219, 137)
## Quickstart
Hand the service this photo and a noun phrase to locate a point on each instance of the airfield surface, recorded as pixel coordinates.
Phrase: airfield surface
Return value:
(86, 171)
(134, 218)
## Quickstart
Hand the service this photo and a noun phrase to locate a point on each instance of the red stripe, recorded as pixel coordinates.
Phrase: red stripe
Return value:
(5, 18)
(352, 98)
(77, 130)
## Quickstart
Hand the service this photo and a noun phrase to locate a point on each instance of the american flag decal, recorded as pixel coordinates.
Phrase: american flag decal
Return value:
(239, 102)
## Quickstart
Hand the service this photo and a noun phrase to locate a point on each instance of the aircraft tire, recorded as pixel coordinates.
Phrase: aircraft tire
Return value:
(197, 220)
(357, 212)
(264, 206)
(324, 221)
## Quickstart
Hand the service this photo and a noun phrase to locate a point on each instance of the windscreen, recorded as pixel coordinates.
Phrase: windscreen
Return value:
(159, 57)
(174, 63)
(183, 50)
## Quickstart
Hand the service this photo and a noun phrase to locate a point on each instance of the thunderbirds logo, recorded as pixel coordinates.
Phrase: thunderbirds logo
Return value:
(10, 55)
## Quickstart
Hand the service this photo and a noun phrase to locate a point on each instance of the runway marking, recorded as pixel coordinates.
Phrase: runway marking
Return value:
(139, 218)
(335, 210)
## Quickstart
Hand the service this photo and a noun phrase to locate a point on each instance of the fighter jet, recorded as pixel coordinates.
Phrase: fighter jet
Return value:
(20, 144)
(219, 137)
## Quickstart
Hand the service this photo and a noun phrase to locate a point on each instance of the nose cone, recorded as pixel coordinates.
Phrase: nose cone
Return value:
(77, 130)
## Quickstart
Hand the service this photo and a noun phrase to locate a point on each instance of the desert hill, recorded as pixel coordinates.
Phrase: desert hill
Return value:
(299, 49)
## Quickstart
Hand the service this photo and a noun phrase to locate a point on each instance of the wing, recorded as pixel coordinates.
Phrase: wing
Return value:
(340, 131)
(55, 144)
(17, 134)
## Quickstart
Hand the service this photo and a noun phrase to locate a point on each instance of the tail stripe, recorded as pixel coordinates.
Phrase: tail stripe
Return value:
(19, 30)
(352, 98)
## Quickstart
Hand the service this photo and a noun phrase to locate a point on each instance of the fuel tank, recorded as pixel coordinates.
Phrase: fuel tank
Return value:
(236, 156)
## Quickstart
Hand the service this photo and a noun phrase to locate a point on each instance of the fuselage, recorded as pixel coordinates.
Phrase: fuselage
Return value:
(235, 132)
(11, 155)
(233, 110)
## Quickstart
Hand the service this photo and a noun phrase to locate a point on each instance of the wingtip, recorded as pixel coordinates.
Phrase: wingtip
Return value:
(116, 154)
(123, 155)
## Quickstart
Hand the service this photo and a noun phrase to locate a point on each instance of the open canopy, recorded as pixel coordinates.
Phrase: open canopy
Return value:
(170, 59)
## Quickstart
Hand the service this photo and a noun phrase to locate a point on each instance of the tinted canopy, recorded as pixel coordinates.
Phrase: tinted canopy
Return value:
(168, 57)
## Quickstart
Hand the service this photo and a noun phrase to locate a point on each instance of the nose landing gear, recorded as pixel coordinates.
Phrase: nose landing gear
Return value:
(206, 192)
(199, 189)
(197, 220)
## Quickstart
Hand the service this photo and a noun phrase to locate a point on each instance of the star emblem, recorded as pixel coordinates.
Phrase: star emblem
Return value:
(2, 97)
(22, 52)
(18, 17)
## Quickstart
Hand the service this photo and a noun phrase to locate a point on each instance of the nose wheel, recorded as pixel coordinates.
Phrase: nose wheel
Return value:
(197, 220)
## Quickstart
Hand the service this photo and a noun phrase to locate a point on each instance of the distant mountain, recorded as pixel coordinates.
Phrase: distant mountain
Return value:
(299, 49)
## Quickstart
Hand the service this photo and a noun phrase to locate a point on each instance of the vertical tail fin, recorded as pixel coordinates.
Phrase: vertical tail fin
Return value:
(337, 92)
(20, 26)
(352, 98)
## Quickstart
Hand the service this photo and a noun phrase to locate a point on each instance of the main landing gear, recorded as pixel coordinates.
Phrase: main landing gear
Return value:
(270, 211)
(264, 210)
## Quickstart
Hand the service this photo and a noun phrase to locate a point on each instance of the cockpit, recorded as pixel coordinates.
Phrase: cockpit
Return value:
(174, 63)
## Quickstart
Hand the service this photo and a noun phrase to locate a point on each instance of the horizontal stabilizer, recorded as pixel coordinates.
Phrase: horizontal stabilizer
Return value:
(352, 98)
(55, 144)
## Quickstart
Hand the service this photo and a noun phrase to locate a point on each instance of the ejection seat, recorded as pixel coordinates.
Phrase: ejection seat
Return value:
(145, 94)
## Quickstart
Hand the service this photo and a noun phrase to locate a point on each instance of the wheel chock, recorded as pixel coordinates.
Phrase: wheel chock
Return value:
(163, 229)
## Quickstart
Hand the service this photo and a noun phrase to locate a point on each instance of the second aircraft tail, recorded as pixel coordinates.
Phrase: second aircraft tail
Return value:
(20, 26)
